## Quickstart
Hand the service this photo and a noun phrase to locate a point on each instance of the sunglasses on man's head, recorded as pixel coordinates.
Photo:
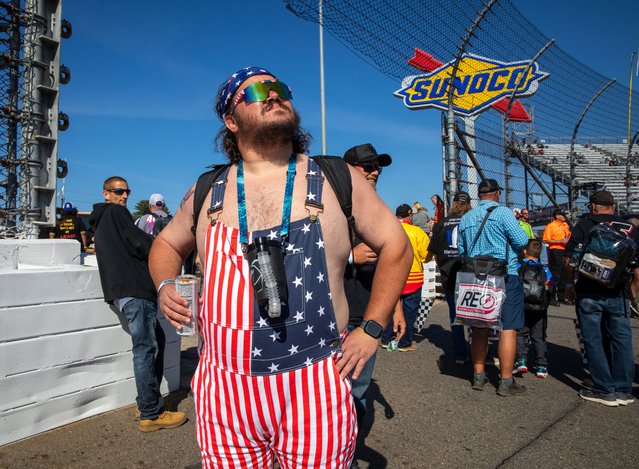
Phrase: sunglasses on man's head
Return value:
(120, 191)
(259, 91)
(370, 167)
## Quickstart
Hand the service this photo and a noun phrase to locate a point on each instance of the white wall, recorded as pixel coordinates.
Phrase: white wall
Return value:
(64, 353)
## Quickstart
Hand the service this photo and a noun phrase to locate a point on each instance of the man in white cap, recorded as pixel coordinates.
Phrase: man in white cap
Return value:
(157, 218)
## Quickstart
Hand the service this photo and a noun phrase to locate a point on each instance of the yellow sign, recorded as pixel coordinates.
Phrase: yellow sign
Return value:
(479, 82)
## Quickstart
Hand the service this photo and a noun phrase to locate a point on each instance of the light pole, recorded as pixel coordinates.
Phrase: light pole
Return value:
(322, 94)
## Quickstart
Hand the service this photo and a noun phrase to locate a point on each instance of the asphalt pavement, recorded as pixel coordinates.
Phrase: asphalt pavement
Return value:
(423, 413)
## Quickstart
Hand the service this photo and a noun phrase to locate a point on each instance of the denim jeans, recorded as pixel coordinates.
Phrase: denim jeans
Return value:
(361, 384)
(144, 328)
(459, 341)
(605, 329)
(410, 305)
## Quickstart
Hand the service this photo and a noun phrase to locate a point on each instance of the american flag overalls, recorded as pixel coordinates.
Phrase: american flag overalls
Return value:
(270, 386)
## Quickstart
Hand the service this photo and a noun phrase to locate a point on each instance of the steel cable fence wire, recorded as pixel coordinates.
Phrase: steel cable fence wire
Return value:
(505, 34)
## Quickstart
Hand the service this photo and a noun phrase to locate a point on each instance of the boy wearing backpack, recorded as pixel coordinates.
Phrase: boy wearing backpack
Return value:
(536, 278)
(603, 306)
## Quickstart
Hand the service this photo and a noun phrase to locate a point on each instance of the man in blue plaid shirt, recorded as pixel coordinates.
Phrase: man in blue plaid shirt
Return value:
(501, 230)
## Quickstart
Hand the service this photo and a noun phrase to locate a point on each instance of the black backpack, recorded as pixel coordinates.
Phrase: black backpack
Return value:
(534, 279)
(160, 223)
(607, 256)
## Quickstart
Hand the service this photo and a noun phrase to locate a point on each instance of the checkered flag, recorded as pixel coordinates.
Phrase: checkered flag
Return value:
(425, 305)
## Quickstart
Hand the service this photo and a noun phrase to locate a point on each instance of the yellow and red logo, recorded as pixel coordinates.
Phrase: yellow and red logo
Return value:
(479, 83)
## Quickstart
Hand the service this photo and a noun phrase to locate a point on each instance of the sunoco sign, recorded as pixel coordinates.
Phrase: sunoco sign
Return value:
(479, 83)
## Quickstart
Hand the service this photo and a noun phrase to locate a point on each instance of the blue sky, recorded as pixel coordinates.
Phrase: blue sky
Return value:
(144, 75)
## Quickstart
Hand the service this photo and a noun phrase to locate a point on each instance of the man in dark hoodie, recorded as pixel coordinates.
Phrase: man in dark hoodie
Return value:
(122, 251)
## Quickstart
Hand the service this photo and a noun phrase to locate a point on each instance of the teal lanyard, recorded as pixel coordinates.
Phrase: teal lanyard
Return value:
(288, 199)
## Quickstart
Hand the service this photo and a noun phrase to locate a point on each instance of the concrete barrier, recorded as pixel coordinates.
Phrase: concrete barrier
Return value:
(64, 353)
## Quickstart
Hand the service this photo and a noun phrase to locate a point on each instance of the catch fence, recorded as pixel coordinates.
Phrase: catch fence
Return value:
(408, 38)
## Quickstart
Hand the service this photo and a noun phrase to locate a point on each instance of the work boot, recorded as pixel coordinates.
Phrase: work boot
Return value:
(165, 420)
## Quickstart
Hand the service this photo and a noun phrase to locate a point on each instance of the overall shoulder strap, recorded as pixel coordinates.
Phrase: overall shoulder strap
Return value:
(481, 227)
(202, 188)
(314, 190)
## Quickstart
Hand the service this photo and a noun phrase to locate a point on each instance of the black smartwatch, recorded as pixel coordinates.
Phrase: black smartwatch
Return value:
(372, 328)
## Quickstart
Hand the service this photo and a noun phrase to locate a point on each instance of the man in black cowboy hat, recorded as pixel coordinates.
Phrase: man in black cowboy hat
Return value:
(367, 161)
(358, 276)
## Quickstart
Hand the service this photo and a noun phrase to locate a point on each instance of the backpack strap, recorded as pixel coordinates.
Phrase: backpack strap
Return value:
(202, 187)
(489, 210)
(339, 177)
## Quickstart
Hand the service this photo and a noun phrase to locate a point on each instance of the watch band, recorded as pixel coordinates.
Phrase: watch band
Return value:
(165, 282)
(372, 328)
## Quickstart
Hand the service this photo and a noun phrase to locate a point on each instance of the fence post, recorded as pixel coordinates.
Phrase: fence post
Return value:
(450, 115)
(631, 142)
(507, 145)
(573, 186)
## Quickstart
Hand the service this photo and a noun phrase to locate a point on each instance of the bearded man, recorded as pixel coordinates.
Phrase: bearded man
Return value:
(273, 380)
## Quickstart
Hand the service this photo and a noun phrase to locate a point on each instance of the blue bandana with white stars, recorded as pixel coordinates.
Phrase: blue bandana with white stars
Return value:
(234, 82)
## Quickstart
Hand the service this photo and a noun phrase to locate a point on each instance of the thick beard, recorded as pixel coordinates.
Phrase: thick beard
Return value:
(262, 133)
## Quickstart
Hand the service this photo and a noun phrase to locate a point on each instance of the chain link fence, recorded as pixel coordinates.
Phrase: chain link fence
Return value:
(529, 157)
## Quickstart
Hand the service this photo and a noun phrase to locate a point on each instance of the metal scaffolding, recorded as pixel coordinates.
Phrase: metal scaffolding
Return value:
(30, 77)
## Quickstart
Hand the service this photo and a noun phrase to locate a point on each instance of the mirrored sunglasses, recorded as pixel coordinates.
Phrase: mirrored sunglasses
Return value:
(259, 92)
(120, 191)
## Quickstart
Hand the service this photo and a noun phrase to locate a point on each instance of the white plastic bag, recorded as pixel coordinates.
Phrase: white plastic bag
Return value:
(479, 300)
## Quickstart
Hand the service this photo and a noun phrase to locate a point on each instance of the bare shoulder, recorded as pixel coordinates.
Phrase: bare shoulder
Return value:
(375, 223)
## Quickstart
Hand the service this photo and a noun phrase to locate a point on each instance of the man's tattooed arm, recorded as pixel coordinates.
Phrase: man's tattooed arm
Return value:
(187, 196)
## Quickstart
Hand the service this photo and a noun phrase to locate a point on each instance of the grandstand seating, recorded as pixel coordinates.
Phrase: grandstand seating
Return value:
(593, 168)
